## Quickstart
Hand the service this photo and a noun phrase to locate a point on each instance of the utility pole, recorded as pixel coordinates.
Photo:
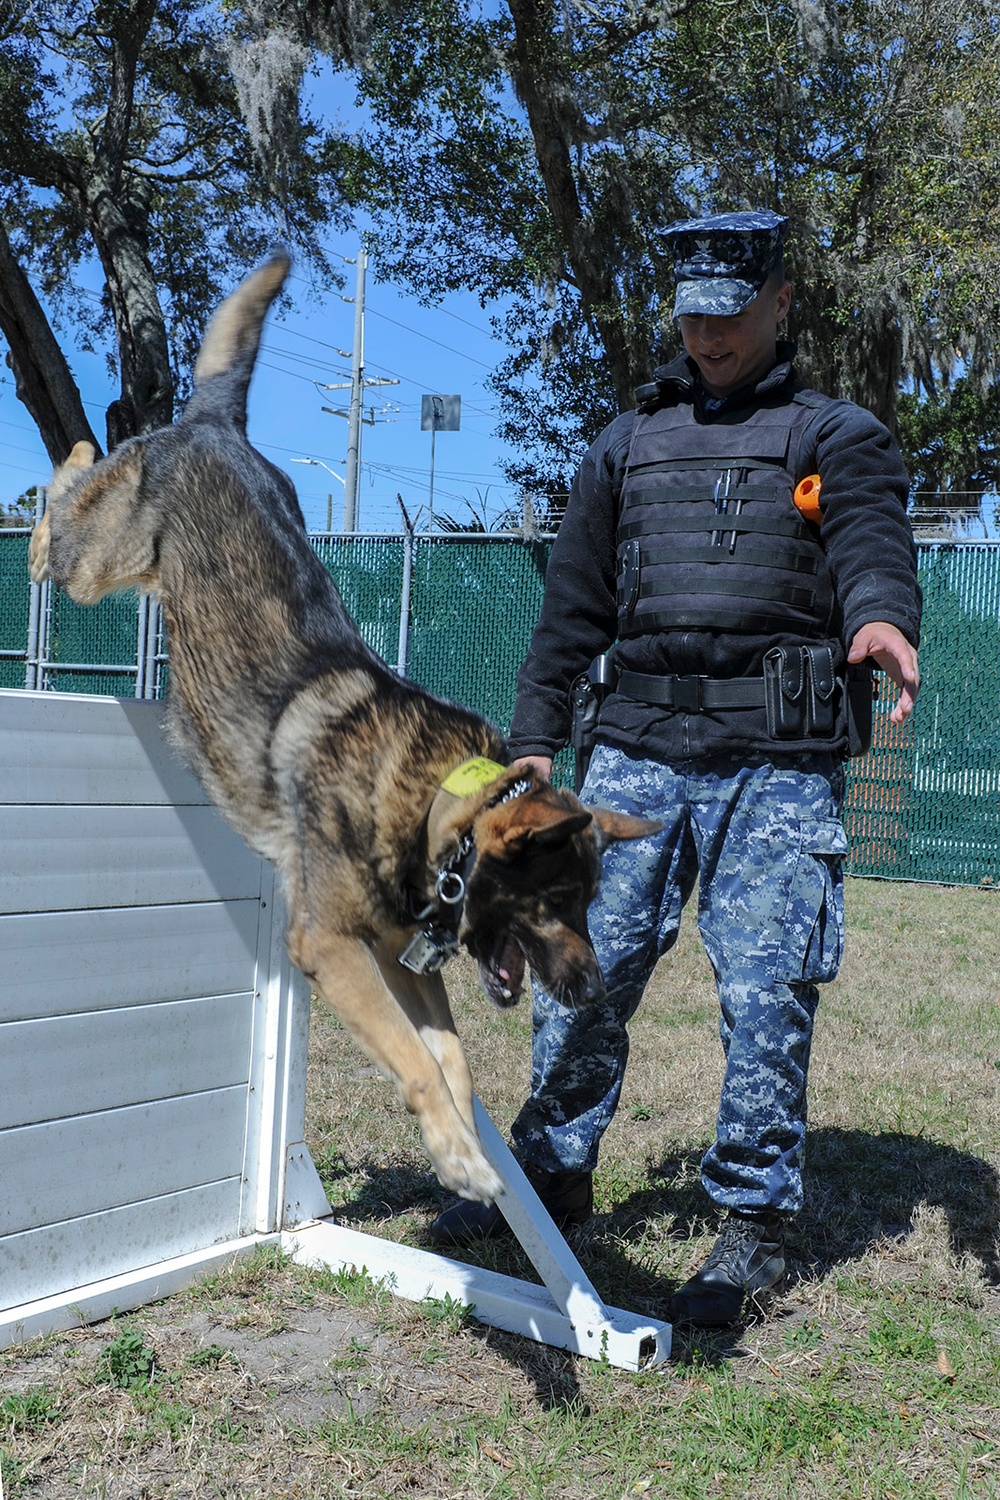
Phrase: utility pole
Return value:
(357, 397)
(355, 413)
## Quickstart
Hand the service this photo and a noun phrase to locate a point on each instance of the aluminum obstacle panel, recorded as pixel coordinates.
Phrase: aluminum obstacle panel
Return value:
(152, 1031)
(153, 1056)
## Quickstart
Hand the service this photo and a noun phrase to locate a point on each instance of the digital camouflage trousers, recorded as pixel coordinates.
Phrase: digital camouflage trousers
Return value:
(763, 842)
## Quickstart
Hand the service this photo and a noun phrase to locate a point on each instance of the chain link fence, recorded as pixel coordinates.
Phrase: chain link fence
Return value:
(455, 613)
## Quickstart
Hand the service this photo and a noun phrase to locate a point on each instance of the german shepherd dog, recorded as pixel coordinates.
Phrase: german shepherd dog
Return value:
(327, 762)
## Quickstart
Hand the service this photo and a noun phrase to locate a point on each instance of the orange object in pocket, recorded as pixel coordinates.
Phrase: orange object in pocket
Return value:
(806, 498)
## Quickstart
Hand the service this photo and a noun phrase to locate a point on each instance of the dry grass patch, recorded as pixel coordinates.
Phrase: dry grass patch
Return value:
(877, 1374)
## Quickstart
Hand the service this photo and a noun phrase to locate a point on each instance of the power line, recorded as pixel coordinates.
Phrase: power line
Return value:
(303, 359)
(451, 350)
(459, 474)
(312, 380)
(349, 260)
(478, 327)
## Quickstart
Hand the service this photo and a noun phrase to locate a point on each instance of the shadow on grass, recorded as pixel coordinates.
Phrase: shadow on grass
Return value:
(379, 1192)
(861, 1189)
(386, 1192)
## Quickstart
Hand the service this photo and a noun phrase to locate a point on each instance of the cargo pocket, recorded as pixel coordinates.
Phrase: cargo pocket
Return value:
(812, 939)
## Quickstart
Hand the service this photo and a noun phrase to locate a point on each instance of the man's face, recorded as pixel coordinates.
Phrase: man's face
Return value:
(733, 352)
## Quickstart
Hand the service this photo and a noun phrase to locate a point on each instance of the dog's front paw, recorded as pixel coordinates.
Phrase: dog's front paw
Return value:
(38, 551)
(462, 1168)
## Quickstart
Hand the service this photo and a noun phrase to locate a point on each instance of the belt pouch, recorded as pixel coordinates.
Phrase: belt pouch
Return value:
(785, 693)
(585, 706)
(821, 685)
(860, 697)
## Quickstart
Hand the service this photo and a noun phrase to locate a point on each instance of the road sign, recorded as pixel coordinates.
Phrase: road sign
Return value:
(440, 413)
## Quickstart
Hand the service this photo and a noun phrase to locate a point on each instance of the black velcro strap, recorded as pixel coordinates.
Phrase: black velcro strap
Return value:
(647, 494)
(692, 694)
(720, 465)
(763, 525)
(719, 553)
(690, 617)
(740, 588)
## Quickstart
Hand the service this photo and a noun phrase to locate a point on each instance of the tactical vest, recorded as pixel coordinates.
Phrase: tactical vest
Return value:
(709, 537)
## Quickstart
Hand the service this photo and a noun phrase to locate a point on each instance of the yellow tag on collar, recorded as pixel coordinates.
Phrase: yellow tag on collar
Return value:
(471, 776)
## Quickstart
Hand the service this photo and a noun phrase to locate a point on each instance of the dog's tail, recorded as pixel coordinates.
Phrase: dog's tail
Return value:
(229, 349)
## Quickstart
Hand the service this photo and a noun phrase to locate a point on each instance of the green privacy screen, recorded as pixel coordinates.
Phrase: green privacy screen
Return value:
(472, 608)
(924, 805)
(15, 607)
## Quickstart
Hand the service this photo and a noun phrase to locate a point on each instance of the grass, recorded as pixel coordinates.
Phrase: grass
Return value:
(876, 1375)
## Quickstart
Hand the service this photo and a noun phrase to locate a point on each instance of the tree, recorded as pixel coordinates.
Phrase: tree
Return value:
(20, 512)
(531, 152)
(953, 439)
(124, 143)
(490, 165)
(882, 122)
(534, 151)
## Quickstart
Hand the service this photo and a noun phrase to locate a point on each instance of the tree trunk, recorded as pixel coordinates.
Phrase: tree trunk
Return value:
(116, 205)
(539, 81)
(118, 229)
(111, 202)
(43, 379)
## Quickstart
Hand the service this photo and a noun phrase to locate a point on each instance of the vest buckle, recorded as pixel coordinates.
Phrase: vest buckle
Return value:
(687, 694)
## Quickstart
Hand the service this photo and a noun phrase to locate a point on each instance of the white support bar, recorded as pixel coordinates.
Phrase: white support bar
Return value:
(531, 1222)
(620, 1338)
(566, 1312)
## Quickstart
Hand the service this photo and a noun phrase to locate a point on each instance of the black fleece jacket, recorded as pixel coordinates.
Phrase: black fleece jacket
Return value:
(869, 548)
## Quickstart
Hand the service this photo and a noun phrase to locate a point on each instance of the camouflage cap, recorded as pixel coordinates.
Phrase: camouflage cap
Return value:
(722, 262)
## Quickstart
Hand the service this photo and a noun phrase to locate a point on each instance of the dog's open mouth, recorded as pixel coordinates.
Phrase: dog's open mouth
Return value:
(502, 975)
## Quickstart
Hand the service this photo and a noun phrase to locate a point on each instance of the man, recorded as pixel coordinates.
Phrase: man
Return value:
(733, 619)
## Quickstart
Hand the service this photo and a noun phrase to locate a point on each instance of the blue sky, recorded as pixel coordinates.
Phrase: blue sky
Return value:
(444, 350)
(447, 350)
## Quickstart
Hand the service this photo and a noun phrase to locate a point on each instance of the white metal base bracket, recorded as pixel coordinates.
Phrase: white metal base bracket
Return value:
(118, 1294)
(628, 1342)
(566, 1312)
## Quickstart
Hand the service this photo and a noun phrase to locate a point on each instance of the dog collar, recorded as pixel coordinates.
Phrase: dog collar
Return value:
(436, 941)
(471, 776)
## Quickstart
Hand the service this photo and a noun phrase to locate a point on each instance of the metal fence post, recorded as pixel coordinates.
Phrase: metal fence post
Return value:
(141, 646)
(34, 618)
(406, 591)
(152, 675)
(147, 640)
(37, 615)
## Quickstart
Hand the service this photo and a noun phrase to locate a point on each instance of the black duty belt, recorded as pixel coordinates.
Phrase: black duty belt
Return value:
(692, 694)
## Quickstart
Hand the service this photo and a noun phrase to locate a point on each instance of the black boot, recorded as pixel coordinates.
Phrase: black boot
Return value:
(746, 1262)
(568, 1196)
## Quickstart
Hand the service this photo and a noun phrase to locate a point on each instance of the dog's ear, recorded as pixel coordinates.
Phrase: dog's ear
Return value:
(96, 542)
(509, 829)
(610, 827)
(81, 457)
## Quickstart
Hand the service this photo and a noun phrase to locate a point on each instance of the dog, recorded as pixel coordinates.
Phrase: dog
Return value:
(397, 826)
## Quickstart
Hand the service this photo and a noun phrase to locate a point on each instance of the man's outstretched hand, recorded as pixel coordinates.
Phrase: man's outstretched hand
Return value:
(540, 764)
(894, 654)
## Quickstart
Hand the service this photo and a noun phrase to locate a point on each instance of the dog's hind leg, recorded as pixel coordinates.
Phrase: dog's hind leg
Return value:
(350, 981)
